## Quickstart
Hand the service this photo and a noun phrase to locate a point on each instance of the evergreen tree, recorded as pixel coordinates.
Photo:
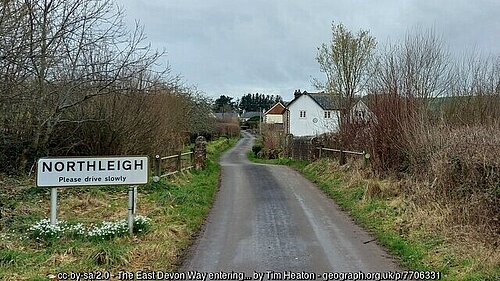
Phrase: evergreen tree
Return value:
(256, 102)
(224, 104)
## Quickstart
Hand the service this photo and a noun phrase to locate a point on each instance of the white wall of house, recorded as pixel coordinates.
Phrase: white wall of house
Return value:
(274, 118)
(314, 122)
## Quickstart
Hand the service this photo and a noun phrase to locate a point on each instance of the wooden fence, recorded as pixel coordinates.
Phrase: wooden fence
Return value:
(170, 165)
(173, 164)
(343, 153)
(311, 149)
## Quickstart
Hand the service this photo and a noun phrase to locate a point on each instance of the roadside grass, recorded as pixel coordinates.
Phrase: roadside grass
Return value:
(297, 164)
(177, 207)
(382, 207)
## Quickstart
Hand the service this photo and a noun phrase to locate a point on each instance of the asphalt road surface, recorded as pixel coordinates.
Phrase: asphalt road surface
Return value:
(270, 218)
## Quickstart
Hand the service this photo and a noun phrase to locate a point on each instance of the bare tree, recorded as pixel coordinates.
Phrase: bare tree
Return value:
(345, 61)
(474, 95)
(416, 69)
(61, 53)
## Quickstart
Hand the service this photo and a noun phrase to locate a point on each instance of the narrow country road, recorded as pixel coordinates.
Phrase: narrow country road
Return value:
(269, 217)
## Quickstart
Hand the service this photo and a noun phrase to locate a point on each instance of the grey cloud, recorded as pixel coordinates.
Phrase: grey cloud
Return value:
(235, 47)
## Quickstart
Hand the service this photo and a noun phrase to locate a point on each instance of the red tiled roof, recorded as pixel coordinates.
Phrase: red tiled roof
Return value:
(276, 109)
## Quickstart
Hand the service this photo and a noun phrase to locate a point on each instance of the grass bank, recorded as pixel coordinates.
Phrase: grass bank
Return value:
(408, 230)
(177, 208)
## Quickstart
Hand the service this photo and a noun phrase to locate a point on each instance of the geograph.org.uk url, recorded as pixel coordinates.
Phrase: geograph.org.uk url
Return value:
(255, 276)
(341, 276)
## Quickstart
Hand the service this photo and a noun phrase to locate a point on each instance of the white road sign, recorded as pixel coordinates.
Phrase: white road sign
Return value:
(81, 171)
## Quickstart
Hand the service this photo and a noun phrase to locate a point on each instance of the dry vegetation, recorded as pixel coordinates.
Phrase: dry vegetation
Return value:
(434, 142)
(426, 230)
(228, 126)
(75, 81)
(437, 124)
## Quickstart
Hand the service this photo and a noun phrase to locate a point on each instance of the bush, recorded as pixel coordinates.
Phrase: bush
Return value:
(228, 127)
(256, 149)
(253, 123)
(273, 140)
(269, 153)
(465, 169)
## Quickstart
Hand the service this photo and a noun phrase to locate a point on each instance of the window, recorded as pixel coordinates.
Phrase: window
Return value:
(328, 115)
(302, 114)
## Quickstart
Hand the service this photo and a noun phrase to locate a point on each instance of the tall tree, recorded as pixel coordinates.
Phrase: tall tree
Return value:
(256, 102)
(58, 54)
(224, 104)
(345, 62)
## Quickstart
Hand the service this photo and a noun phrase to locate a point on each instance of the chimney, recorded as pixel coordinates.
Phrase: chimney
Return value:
(297, 93)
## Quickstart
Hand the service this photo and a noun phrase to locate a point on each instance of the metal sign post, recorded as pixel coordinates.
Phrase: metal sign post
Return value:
(53, 206)
(131, 210)
(135, 199)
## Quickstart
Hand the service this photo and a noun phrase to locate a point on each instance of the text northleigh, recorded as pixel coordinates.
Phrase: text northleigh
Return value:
(92, 165)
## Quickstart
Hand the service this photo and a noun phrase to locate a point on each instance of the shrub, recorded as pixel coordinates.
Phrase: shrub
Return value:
(269, 153)
(256, 149)
(465, 168)
(273, 142)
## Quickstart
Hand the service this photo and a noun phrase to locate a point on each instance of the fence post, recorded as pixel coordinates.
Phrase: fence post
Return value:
(157, 165)
(179, 161)
(342, 157)
(200, 150)
(320, 150)
(192, 157)
(366, 159)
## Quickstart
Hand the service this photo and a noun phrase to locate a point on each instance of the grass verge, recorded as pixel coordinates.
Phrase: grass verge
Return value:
(177, 208)
(382, 207)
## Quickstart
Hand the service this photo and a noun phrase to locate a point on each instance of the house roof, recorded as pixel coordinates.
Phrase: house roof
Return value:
(249, 114)
(325, 101)
(278, 108)
(222, 115)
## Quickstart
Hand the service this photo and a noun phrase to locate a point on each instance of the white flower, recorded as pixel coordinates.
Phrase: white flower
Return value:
(43, 230)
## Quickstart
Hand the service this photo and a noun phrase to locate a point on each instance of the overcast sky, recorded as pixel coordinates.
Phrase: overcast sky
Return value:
(234, 47)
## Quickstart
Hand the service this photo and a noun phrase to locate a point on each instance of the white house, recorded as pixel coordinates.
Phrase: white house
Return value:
(310, 114)
(275, 114)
